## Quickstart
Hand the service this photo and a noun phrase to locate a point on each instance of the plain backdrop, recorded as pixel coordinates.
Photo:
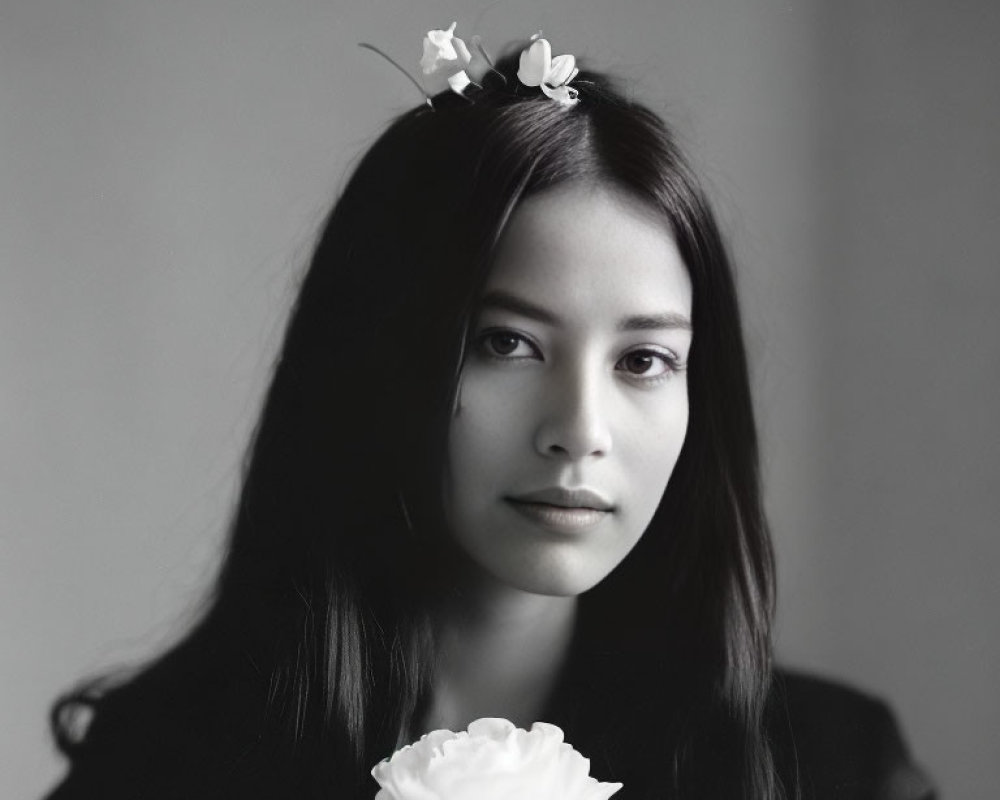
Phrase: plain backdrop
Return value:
(164, 166)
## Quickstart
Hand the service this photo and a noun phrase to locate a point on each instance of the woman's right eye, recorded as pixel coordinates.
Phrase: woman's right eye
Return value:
(504, 344)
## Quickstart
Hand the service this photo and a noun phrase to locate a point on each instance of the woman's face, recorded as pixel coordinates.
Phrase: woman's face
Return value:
(573, 403)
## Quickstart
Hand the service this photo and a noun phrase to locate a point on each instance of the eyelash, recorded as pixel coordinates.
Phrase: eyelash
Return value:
(670, 361)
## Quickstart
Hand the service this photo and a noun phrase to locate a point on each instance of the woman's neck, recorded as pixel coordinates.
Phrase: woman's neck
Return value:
(500, 652)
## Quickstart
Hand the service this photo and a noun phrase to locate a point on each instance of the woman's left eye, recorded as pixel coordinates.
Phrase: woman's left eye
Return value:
(503, 344)
(647, 364)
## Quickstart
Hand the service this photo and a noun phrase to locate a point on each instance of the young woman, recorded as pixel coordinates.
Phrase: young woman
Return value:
(506, 466)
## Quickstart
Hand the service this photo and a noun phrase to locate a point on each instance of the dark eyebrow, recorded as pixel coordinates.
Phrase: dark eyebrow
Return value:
(505, 301)
(655, 322)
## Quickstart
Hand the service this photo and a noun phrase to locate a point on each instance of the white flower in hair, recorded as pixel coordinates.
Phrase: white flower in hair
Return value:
(538, 68)
(493, 760)
(445, 53)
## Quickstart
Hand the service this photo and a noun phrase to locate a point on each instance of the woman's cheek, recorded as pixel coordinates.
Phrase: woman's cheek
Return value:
(495, 403)
(488, 427)
(652, 444)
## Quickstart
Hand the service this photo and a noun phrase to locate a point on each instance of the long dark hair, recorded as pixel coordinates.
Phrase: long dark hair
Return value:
(312, 660)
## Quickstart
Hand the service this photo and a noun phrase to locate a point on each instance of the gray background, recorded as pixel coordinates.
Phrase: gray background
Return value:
(163, 169)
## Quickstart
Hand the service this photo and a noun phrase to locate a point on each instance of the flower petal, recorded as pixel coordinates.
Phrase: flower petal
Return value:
(429, 59)
(562, 71)
(535, 63)
(459, 81)
(462, 51)
(492, 727)
(563, 95)
(438, 48)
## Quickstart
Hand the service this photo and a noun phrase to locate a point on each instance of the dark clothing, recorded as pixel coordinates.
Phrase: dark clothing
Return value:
(829, 743)
(840, 743)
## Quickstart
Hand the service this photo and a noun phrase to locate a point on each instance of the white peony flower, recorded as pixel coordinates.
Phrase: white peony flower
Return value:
(493, 760)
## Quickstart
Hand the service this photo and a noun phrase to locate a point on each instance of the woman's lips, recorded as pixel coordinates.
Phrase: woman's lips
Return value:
(560, 518)
(564, 497)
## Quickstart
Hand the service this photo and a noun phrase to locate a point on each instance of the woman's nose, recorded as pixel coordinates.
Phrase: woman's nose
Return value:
(574, 420)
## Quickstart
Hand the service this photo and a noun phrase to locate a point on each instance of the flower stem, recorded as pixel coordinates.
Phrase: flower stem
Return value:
(393, 61)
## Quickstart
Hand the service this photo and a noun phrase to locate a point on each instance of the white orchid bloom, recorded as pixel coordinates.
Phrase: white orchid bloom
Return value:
(537, 67)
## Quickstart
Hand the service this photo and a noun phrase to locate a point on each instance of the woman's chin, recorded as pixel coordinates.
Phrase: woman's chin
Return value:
(555, 577)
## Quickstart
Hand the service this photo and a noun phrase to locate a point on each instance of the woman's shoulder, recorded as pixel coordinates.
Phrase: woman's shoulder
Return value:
(835, 741)
(160, 735)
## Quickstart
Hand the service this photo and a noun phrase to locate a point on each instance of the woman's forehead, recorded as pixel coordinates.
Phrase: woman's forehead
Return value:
(583, 249)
